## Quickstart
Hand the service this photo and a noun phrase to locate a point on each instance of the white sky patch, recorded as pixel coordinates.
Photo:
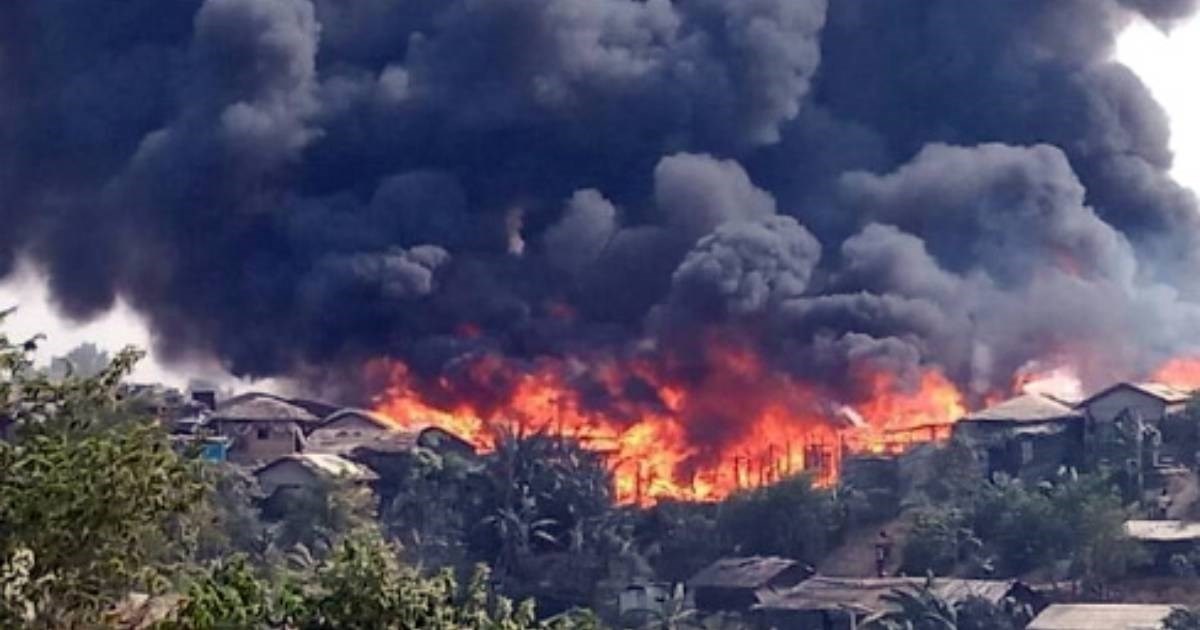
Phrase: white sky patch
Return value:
(1166, 62)
(120, 327)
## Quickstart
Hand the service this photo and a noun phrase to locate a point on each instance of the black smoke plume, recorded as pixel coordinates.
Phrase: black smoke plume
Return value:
(292, 185)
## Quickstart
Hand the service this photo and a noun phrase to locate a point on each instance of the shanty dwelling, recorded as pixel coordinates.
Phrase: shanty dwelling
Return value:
(734, 584)
(262, 427)
(310, 470)
(1128, 413)
(375, 442)
(1163, 540)
(1101, 617)
(642, 602)
(825, 603)
(1148, 402)
(1031, 435)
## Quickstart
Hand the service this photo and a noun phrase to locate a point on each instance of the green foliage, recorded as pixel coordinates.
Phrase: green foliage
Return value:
(226, 521)
(543, 494)
(362, 585)
(790, 518)
(318, 518)
(1013, 528)
(680, 538)
(87, 492)
(429, 511)
(921, 608)
(938, 540)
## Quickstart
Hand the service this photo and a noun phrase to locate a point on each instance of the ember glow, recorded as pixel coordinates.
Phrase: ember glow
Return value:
(738, 425)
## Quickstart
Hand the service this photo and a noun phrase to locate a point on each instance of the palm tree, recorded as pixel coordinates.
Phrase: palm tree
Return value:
(915, 608)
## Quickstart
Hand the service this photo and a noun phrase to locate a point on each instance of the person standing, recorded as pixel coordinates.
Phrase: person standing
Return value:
(883, 553)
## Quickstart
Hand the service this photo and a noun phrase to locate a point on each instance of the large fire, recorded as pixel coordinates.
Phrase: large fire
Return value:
(1181, 372)
(738, 425)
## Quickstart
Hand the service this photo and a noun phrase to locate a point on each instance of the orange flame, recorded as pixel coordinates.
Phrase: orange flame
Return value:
(1180, 372)
(739, 425)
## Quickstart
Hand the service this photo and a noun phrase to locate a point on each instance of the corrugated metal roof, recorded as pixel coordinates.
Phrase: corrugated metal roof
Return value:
(259, 407)
(1024, 408)
(751, 572)
(866, 595)
(1101, 617)
(1162, 531)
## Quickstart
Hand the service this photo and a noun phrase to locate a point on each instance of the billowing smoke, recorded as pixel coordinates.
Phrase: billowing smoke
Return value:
(299, 185)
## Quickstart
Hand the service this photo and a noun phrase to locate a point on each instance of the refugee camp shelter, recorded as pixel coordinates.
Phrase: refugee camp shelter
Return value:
(1101, 617)
(1163, 539)
(826, 603)
(391, 452)
(735, 583)
(1148, 402)
(1030, 435)
(262, 427)
(309, 470)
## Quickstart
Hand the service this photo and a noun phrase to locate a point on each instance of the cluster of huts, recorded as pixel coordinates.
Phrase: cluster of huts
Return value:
(295, 443)
(773, 592)
(1035, 433)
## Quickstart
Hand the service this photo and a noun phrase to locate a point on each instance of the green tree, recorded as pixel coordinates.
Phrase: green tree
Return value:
(87, 493)
(542, 494)
(791, 518)
(317, 518)
(362, 585)
(922, 608)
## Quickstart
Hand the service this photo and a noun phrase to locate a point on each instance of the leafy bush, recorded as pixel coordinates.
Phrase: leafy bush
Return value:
(790, 518)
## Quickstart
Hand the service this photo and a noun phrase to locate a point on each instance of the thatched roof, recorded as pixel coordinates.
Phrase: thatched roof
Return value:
(260, 407)
(752, 572)
(866, 596)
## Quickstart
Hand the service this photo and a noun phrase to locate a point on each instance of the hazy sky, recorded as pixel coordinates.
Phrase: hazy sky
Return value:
(1163, 61)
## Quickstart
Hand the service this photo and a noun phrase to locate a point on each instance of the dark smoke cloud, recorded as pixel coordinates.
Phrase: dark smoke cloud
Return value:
(300, 184)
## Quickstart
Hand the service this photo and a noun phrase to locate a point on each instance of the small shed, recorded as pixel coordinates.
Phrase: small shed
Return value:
(1163, 539)
(1102, 617)
(735, 583)
(305, 470)
(826, 603)
(262, 427)
(1029, 435)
